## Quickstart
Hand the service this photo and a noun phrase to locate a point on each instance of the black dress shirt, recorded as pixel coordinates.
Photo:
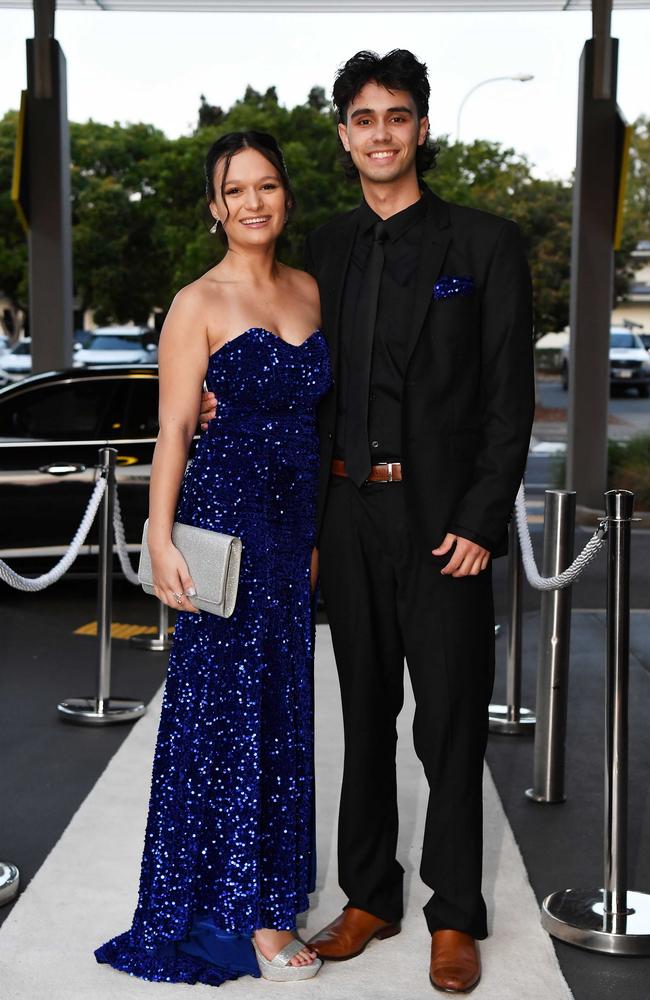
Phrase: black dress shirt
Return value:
(401, 255)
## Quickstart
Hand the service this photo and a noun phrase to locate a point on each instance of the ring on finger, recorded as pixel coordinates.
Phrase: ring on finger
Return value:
(179, 597)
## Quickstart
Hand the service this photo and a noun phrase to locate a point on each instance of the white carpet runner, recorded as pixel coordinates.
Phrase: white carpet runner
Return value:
(86, 890)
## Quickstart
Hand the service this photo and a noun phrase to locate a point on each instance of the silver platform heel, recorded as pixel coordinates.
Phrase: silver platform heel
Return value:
(278, 968)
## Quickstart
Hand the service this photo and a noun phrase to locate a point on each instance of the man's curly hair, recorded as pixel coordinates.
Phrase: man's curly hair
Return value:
(397, 70)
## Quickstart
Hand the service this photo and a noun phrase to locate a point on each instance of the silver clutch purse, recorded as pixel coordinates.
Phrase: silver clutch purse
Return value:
(213, 560)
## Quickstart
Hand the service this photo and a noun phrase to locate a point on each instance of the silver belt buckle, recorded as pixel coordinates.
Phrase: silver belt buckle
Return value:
(390, 471)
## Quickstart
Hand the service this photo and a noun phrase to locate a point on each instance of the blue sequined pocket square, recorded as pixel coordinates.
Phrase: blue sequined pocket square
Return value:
(450, 286)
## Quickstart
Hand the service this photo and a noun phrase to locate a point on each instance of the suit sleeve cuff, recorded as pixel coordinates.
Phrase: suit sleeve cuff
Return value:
(472, 536)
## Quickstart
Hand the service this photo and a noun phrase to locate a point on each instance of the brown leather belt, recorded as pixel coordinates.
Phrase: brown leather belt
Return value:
(385, 472)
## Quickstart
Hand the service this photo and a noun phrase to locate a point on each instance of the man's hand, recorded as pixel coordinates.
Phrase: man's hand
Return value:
(208, 409)
(468, 559)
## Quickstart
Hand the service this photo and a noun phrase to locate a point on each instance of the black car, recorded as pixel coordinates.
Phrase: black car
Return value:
(51, 429)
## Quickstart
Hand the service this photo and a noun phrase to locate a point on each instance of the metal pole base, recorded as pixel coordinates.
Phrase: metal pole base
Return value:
(534, 796)
(87, 712)
(9, 882)
(577, 916)
(152, 643)
(502, 721)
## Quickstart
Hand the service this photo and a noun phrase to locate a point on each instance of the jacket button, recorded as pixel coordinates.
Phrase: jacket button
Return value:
(375, 444)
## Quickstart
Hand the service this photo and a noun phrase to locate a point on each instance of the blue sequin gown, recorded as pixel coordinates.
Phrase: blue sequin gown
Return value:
(229, 843)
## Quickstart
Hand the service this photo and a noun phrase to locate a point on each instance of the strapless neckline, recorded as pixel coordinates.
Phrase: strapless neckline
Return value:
(269, 333)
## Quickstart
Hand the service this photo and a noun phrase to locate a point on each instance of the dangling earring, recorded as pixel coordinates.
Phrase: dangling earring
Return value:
(216, 226)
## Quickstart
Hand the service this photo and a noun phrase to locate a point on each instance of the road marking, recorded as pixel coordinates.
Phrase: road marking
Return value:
(119, 630)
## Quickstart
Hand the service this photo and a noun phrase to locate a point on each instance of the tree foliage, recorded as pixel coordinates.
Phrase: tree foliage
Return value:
(486, 176)
(140, 228)
(13, 243)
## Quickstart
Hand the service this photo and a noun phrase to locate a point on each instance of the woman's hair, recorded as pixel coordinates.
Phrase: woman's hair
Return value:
(230, 144)
(397, 70)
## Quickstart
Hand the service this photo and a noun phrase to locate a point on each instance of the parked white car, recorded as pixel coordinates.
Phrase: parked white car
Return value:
(629, 364)
(16, 363)
(118, 345)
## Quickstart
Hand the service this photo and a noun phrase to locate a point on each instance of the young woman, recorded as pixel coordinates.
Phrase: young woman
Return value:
(229, 848)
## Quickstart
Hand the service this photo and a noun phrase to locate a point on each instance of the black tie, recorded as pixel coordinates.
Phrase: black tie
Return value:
(357, 452)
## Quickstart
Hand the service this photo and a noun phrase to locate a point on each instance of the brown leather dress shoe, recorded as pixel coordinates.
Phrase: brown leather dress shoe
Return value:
(348, 935)
(455, 962)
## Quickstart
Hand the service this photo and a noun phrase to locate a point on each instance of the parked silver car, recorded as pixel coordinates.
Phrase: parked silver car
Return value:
(629, 364)
(118, 345)
(16, 363)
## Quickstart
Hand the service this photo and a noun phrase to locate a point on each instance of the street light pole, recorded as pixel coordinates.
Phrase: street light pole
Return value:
(519, 77)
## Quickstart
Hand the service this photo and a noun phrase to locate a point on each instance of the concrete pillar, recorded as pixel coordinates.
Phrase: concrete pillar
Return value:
(50, 227)
(592, 264)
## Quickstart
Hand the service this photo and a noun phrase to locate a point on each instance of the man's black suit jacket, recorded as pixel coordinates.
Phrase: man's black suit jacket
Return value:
(468, 399)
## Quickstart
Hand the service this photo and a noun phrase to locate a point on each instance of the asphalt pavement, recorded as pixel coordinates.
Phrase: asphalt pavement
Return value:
(629, 414)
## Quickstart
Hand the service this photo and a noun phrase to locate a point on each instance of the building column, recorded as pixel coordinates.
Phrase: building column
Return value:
(50, 224)
(592, 263)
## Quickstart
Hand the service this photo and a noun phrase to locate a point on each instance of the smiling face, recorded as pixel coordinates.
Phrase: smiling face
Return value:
(252, 203)
(382, 133)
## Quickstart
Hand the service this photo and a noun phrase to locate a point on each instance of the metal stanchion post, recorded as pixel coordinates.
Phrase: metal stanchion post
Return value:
(9, 882)
(103, 709)
(611, 919)
(155, 643)
(511, 718)
(553, 655)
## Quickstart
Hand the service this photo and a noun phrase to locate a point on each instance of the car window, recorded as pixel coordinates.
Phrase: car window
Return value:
(142, 408)
(624, 340)
(115, 343)
(76, 410)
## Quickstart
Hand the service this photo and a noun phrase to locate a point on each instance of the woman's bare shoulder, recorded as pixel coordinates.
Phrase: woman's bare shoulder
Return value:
(302, 282)
(198, 294)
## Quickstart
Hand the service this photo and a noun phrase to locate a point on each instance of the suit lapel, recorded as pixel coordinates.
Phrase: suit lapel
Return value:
(338, 261)
(436, 239)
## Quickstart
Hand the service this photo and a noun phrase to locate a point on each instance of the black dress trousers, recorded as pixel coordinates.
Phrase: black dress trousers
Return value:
(386, 601)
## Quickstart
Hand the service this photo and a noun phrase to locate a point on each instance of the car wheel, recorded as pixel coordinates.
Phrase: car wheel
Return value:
(644, 391)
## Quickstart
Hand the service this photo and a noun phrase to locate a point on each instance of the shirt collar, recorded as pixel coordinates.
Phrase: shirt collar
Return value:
(396, 225)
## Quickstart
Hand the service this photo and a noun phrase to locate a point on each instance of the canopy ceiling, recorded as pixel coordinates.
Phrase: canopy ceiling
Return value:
(338, 6)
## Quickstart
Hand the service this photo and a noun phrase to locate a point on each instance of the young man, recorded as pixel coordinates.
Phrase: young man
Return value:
(427, 311)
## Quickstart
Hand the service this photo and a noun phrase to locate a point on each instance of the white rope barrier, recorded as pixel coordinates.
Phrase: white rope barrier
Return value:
(33, 584)
(120, 543)
(566, 578)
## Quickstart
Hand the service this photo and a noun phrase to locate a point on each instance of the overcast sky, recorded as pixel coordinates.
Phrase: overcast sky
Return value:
(152, 67)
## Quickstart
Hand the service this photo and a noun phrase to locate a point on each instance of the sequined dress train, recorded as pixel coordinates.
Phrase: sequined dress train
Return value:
(229, 842)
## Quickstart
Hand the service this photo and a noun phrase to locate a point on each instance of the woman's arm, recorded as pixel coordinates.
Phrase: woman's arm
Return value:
(182, 362)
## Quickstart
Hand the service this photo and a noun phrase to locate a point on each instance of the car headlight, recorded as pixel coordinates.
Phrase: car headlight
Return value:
(646, 365)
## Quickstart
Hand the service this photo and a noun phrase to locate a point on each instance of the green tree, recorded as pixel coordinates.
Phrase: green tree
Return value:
(121, 261)
(140, 223)
(487, 176)
(13, 243)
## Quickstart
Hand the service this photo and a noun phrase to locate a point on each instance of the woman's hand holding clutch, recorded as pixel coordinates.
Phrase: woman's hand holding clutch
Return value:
(173, 584)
